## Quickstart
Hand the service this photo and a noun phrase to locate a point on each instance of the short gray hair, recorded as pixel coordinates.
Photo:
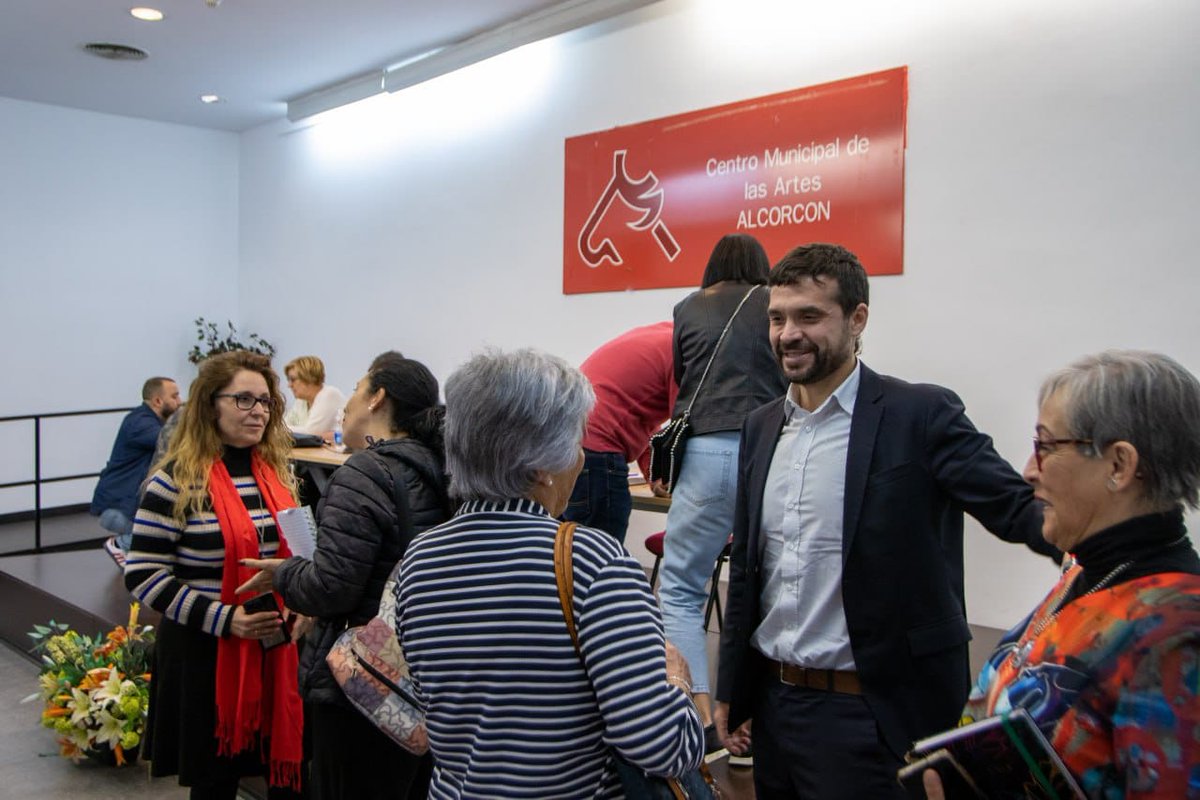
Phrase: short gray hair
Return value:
(509, 415)
(1146, 399)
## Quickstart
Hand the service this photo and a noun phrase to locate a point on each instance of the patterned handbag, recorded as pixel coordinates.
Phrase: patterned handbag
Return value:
(368, 663)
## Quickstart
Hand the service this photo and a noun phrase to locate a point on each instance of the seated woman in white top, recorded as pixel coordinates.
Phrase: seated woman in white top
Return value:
(317, 405)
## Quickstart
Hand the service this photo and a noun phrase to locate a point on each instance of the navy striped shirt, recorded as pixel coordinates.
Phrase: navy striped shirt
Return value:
(177, 571)
(511, 710)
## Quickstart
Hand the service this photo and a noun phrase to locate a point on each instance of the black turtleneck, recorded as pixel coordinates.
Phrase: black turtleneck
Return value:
(237, 460)
(1152, 543)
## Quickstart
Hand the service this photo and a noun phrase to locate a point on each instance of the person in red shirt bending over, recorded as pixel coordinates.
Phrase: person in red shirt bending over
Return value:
(633, 377)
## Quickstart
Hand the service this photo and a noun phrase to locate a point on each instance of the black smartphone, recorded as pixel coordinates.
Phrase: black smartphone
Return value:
(956, 783)
(266, 602)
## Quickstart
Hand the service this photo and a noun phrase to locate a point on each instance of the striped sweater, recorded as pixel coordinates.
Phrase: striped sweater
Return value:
(177, 571)
(510, 708)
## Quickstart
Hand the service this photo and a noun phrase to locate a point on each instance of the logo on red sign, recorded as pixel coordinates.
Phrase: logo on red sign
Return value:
(823, 163)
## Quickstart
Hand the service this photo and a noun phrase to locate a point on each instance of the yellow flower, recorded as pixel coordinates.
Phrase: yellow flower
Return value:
(48, 682)
(130, 706)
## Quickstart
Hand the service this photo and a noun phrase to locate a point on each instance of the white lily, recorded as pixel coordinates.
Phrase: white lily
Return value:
(109, 688)
(110, 729)
(80, 705)
(79, 737)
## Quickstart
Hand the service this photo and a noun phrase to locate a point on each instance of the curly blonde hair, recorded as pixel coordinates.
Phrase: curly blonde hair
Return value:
(196, 444)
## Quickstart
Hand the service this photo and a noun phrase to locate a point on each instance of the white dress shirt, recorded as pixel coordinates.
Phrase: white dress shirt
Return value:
(804, 621)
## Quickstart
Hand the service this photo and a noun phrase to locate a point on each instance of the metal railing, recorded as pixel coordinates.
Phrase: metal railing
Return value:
(38, 479)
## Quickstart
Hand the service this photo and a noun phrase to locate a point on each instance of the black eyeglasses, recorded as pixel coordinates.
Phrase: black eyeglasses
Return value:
(1043, 446)
(245, 402)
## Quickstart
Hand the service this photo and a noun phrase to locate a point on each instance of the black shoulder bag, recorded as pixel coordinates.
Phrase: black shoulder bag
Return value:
(668, 445)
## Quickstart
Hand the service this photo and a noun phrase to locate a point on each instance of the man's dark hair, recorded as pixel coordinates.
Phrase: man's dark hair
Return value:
(819, 262)
(737, 257)
(153, 386)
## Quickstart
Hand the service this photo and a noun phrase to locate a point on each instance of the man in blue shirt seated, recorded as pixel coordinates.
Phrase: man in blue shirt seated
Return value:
(116, 496)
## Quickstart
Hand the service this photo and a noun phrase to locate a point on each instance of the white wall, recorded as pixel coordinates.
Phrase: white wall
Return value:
(115, 234)
(1051, 184)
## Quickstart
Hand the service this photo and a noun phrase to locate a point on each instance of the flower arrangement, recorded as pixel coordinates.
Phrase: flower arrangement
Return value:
(96, 690)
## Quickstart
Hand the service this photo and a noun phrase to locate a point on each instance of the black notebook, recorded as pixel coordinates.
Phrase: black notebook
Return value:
(998, 758)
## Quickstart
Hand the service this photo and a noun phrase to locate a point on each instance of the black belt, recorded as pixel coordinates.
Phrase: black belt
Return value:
(827, 680)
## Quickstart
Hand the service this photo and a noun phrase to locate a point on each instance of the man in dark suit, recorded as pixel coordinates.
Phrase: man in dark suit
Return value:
(845, 634)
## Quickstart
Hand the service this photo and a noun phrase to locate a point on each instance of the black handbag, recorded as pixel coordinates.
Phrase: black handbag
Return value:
(668, 445)
(637, 785)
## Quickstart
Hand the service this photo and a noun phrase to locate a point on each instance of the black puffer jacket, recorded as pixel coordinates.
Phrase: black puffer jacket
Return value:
(359, 542)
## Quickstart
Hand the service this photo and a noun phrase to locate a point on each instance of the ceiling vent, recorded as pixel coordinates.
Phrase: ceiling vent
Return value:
(115, 52)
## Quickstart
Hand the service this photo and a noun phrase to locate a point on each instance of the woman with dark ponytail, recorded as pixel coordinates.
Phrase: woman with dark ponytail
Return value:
(395, 420)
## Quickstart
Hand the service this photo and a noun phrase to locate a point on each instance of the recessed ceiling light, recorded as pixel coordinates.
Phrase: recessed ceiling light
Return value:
(210, 98)
(146, 14)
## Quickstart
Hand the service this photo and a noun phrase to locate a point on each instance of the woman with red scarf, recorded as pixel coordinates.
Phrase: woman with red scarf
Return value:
(223, 704)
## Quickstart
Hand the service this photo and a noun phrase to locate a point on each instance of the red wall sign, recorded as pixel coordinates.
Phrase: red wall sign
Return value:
(644, 204)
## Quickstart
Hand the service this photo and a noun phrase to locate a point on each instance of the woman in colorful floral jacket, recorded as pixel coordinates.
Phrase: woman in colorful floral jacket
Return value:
(1109, 664)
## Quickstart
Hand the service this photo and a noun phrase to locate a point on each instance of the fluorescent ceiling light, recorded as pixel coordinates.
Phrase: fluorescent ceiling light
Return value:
(566, 16)
(209, 99)
(146, 14)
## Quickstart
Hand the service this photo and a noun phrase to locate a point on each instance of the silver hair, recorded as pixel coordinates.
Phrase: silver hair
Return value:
(509, 415)
(1143, 398)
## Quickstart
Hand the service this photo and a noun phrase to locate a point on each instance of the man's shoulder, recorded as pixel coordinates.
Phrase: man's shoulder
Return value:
(764, 415)
(893, 389)
(141, 417)
(142, 411)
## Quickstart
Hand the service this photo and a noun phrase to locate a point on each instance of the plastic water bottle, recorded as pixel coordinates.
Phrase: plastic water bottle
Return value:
(338, 444)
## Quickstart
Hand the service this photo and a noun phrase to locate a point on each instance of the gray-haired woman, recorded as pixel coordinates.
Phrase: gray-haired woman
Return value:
(511, 709)
(1107, 665)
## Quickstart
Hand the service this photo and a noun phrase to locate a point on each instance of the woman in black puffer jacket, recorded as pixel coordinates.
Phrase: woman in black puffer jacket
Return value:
(394, 414)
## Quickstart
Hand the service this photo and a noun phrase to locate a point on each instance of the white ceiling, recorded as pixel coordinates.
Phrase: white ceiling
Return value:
(256, 54)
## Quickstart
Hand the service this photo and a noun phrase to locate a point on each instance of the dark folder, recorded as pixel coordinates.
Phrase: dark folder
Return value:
(1000, 757)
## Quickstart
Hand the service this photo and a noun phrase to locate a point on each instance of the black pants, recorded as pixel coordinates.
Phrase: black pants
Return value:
(351, 759)
(817, 745)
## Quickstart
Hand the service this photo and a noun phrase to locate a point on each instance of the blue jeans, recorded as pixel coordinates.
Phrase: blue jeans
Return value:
(698, 526)
(115, 522)
(601, 497)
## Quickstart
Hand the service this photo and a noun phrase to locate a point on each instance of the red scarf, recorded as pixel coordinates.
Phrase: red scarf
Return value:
(257, 702)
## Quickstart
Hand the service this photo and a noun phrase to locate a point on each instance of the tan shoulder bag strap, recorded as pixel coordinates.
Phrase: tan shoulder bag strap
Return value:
(564, 576)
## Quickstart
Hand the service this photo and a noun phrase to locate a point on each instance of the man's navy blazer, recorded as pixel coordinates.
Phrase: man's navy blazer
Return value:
(915, 464)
